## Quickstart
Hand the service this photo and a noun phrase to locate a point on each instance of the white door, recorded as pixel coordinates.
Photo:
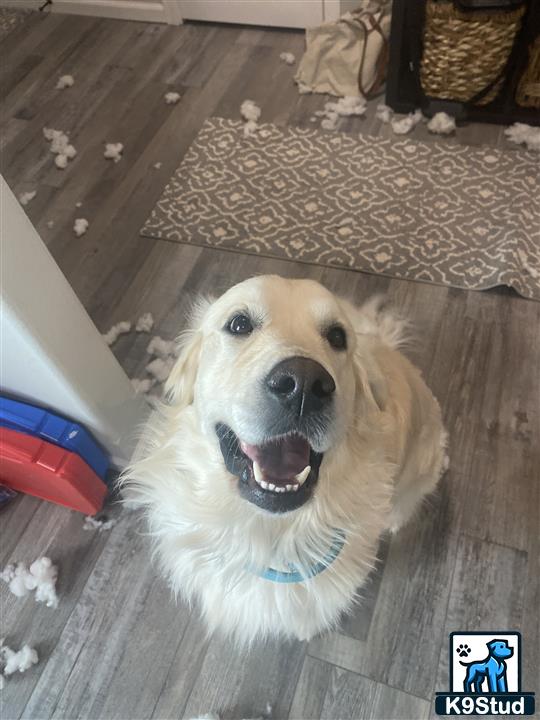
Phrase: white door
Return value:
(281, 13)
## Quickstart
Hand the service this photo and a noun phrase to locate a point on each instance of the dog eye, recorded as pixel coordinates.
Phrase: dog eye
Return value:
(337, 337)
(240, 325)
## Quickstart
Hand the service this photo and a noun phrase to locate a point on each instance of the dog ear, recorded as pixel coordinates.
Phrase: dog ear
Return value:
(370, 380)
(181, 381)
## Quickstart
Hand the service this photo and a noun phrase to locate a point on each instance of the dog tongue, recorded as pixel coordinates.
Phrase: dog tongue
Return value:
(282, 459)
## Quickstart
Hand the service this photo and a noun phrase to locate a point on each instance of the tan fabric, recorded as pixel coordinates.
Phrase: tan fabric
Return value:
(343, 58)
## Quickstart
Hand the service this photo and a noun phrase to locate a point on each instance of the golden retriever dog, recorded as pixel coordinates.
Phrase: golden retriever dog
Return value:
(294, 435)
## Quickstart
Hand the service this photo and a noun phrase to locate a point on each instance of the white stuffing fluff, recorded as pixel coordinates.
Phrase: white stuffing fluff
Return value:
(250, 128)
(112, 335)
(145, 323)
(80, 226)
(65, 81)
(91, 523)
(287, 57)
(160, 368)
(113, 151)
(441, 124)
(384, 113)
(26, 197)
(15, 576)
(344, 107)
(61, 162)
(161, 348)
(402, 126)
(171, 98)
(143, 386)
(250, 111)
(60, 146)
(157, 165)
(50, 224)
(41, 577)
(17, 661)
(523, 134)
(78, 204)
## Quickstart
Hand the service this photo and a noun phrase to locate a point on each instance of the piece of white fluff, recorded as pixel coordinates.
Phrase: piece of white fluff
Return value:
(250, 111)
(17, 661)
(26, 197)
(161, 348)
(142, 386)
(442, 124)
(145, 323)
(343, 107)
(59, 146)
(171, 98)
(91, 523)
(160, 368)
(384, 113)
(113, 151)
(287, 57)
(157, 165)
(523, 134)
(64, 82)
(41, 577)
(402, 126)
(80, 226)
(112, 335)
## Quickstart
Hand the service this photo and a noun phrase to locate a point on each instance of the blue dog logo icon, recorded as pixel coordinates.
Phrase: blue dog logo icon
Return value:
(485, 675)
(492, 668)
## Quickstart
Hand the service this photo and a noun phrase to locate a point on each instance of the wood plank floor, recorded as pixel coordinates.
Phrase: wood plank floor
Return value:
(118, 646)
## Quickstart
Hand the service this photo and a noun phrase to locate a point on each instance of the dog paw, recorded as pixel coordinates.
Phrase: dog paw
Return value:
(463, 650)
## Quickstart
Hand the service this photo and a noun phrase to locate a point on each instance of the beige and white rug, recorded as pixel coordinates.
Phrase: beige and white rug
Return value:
(434, 212)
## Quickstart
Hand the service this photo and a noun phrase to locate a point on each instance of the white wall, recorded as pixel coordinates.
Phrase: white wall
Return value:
(50, 350)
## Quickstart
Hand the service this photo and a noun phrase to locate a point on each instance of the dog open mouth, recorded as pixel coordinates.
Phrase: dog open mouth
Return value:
(279, 475)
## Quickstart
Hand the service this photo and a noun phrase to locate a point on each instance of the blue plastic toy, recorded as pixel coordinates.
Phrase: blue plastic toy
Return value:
(41, 423)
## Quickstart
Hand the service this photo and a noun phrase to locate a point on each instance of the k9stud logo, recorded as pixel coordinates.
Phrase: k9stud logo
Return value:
(485, 676)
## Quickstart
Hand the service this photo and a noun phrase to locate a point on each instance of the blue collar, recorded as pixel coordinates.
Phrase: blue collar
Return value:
(295, 575)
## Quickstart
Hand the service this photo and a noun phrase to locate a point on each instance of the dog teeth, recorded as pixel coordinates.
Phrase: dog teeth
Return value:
(302, 477)
(257, 473)
(293, 487)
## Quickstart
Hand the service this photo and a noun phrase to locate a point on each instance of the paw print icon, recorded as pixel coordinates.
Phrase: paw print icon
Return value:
(463, 650)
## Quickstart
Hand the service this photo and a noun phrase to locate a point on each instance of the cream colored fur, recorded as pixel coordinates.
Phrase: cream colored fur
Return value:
(385, 452)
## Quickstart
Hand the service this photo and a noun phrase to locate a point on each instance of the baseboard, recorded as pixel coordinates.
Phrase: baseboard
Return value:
(22, 4)
(163, 11)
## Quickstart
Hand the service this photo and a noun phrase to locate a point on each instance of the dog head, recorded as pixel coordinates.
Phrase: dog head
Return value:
(499, 649)
(276, 378)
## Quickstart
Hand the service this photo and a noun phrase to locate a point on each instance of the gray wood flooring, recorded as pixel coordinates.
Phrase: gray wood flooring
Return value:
(118, 646)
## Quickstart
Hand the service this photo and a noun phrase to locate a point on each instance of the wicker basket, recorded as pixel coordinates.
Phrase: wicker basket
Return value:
(464, 52)
(528, 92)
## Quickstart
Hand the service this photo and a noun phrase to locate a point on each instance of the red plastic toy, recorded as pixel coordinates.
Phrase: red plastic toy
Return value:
(37, 467)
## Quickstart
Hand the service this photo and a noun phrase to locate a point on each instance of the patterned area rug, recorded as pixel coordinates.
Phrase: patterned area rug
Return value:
(437, 213)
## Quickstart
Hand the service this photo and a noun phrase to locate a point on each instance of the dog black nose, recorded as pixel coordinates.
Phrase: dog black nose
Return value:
(301, 385)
